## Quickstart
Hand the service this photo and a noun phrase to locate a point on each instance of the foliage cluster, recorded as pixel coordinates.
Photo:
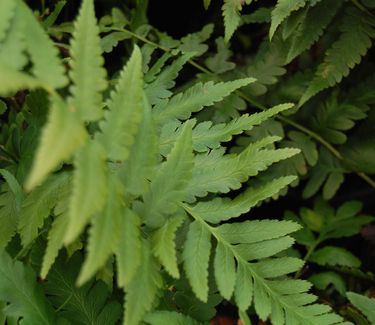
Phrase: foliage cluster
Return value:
(128, 187)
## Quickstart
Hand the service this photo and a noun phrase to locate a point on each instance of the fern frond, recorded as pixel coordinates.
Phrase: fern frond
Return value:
(142, 290)
(357, 32)
(56, 232)
(166, 192)
(89, 188)
(196, 256)
(169, 317)
(12, 49)
(47, 66)
(139, 168)
(282, 10)
(60, 137)
(312, 27)
(257, 279)
(125, 110)
(158, 89)
(182, 105)
(218, 173)
(231, 12)
(87, 72)
(207, 136)
(364, 304)
(9, 213)
(12, 80)
(163, 245)
(222, 209)
(8, 10)
(104, 232)
(24, 294)
(129, 248)
(38, 204)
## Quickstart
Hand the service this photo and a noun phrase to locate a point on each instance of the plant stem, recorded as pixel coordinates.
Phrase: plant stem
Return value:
(258, 105)
(307, 256)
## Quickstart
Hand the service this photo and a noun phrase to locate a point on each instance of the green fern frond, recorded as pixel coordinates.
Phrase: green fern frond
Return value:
(169, 317)
(222, 209)
(12, 49)
(312, 27)
(38, 204)
(163, 245)
(62, 135)
(47, 66)
(24, 294)
(196, 256)
(231, 12)
(167, 192)
(7, 9)
(129, 248)
(137, 171)
(57, 232)
(12, 80)
(142, 289)
(158, 89)
(181, 106)
(358, 30)
(9, 213)
(87, 72)
(104, 232)
(218, 173)
(282, 10)
(125, 110)
(207, 136)
(89, 188)
(284, 301)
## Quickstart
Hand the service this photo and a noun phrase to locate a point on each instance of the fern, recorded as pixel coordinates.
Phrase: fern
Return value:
(87, 60)
(25, 296)
(357, 32)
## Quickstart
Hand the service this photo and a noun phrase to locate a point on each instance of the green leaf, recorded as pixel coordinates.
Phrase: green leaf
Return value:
(196, 256)
(194, 42)
(18, 286)
(9, 214)
(357, 30)
(7, 9)
(324, 279)
(225, 273)
(163, 245)
(56, 232)
(169, 317)
(219, 63)
(52, 17)
(139, 168)
(257, 230)
(89, 188)
(312, 27)
(182, 105)
(142, 289)
(125, 110)
(104, 232)
(231, 13)
(208, 136)
(166, 192)
(87, 72)
(129, 248)
(331, 255)
(62, 135)
(364, 304)
(221, 209)
(47, 66)
(38, 204)
(159, 88)
(282, 10)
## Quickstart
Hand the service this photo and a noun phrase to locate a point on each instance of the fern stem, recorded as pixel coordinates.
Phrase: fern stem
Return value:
(255, 103)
